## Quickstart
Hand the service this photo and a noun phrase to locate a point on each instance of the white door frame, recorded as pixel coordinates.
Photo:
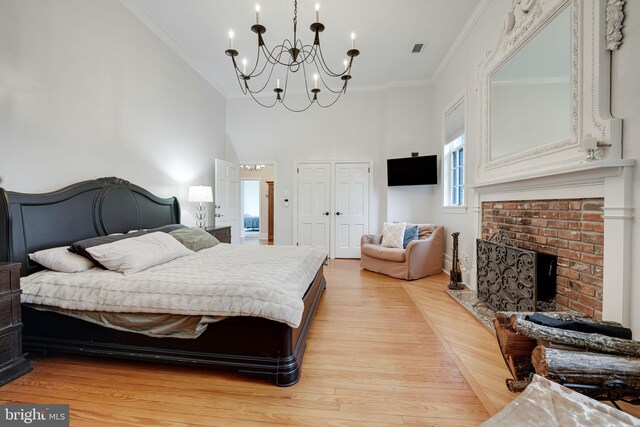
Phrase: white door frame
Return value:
(332, 221)
(275, 189)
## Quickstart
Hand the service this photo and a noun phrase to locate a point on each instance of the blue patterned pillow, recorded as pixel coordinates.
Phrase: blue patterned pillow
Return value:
(410, 233)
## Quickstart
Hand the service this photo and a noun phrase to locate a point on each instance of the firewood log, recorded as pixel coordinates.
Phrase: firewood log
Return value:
(580, 339)
(587, 368)
(513, 343)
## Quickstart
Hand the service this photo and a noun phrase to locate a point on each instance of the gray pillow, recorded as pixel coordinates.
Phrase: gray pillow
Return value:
(194, 238)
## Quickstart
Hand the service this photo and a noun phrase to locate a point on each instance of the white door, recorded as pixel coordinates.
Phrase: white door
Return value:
(314, 205)
(352, 208)
(227, 197)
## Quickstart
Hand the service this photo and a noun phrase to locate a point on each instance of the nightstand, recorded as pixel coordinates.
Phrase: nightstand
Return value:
(12, 361)
(221, 233)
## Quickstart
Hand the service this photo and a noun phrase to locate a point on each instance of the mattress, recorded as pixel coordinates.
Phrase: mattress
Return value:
(226, 280)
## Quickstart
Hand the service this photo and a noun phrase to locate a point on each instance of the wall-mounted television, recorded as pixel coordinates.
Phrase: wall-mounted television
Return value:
(422, 170)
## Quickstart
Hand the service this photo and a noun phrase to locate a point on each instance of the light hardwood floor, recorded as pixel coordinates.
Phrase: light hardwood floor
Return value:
(381, 351)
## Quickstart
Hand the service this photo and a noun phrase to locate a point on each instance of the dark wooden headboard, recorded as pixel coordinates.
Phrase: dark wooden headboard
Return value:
(32, 222)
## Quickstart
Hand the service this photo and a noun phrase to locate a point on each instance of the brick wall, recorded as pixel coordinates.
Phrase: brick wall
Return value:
(571, 229)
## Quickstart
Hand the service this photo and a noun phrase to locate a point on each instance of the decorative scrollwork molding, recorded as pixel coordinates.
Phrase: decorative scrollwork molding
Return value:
(596, 31)
(615, 16)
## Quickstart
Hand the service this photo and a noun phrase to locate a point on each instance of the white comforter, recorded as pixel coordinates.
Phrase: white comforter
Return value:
(226, 280)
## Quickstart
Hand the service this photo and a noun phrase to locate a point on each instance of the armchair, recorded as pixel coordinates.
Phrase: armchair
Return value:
(422, 257)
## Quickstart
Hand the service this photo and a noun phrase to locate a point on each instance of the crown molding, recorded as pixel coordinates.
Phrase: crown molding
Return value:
(409, 83)
(462, 36)
(166, 38)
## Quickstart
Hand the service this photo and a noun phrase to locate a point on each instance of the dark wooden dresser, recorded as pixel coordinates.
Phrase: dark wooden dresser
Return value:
(12, 361)
(221, 233)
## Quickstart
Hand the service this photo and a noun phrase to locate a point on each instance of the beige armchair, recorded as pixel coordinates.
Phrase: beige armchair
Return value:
(422, 257)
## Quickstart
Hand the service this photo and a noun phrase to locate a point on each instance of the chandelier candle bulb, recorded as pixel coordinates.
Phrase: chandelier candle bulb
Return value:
(257, 13)
(353, 40)
(230, 39)
(244, 66)
(278, 83)
(346, 64)
(317, 12)
(315, 81)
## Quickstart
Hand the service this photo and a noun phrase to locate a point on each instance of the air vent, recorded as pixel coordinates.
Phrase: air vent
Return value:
(417, 48)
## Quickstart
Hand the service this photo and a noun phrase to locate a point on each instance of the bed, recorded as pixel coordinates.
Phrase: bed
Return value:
(245, 344)
(251, 223)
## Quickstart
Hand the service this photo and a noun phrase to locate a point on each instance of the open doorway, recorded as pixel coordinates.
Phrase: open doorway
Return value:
(251, 208)
(257, 191)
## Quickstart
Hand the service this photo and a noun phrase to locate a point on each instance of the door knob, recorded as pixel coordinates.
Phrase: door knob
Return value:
(326, 213)
(216, 206)
(338, 213)
(218, 215)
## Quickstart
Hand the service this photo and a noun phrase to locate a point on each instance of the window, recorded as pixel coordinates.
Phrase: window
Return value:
(453, 169)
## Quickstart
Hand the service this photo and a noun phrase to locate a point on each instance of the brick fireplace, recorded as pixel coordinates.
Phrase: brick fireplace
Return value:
(589, 208)
(571, 229)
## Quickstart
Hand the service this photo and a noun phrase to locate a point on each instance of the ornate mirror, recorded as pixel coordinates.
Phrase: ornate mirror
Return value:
(544, 89)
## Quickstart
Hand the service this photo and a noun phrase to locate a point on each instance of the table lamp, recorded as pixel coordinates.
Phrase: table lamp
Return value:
(200, 194)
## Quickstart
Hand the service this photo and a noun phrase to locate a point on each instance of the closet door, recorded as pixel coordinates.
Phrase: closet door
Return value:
(314, 205)
(352, 208)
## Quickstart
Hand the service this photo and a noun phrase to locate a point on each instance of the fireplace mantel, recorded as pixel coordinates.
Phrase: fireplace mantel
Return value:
(608, 179)
(580, 175)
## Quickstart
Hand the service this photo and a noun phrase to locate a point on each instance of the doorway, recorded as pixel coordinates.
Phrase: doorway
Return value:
(257, 217)
(250, 208)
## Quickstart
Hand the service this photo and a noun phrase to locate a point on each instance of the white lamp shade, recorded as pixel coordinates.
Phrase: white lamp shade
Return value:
(200, 193)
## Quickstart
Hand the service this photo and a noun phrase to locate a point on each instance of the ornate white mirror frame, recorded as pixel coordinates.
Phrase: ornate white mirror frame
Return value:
(595, 135)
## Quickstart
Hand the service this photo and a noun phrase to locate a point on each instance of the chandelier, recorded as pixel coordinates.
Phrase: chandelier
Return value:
(252, 168)
(292, 57)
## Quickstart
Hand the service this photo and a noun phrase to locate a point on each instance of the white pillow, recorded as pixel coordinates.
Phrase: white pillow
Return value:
(138, 253)
(60, 259)
(393, 234)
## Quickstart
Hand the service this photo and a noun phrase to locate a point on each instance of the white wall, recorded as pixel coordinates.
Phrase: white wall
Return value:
(408, 130)
(86, 90)
(456, 80)
(364, 126)
(625, 91)
(459, 77)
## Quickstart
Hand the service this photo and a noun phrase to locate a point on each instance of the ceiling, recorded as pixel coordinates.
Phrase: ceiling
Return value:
(385, 30)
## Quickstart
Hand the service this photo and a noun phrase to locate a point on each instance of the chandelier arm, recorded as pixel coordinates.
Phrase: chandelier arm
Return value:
(306, 83)
(242, 87)
(255, 67)
(308, 55)
(272, 58)
(293, 110)
(263, 105)
(329, 88)
(334, 74)
(322, 79)
(324, 68)
(331, 104)
(268, 78)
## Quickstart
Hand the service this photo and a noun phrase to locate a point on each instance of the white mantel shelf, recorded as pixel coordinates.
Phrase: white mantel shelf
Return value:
(582, 173)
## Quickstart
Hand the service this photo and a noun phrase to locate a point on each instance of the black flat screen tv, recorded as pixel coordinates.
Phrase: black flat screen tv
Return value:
(422, 170)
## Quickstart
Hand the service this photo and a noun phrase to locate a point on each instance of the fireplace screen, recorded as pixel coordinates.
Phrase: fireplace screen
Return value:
(514, 279)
